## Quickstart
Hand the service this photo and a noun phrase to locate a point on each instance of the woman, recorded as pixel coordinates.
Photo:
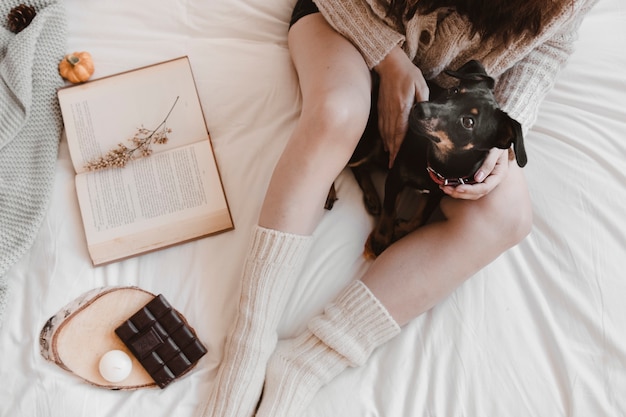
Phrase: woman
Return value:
(522, 43)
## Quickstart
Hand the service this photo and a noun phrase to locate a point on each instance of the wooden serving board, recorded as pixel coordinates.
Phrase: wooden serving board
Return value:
(81, 332)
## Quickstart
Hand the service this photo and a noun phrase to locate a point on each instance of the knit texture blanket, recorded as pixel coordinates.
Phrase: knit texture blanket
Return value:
(30, 127)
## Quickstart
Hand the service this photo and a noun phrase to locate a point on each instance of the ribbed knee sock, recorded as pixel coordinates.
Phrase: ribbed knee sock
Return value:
(343, 336)
(271, 269)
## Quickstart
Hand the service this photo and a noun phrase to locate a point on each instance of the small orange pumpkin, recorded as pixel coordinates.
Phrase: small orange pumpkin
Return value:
(76, 67)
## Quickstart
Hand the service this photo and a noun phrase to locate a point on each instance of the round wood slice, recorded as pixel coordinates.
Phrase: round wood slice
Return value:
(81, 332)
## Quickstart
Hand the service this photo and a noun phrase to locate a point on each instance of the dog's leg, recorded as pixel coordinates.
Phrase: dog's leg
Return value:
(363, 177)
(382, 236)
(426, 205)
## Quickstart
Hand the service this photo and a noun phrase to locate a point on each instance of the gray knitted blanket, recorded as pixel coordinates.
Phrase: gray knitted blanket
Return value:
(30, 127)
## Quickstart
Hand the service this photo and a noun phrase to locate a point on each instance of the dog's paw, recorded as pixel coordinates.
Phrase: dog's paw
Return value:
(401, 229)
(368, 252)
(375, 245)
(372, 204)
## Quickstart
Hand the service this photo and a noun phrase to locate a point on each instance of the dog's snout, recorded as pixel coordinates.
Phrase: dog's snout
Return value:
(423, 121)
(421, 110)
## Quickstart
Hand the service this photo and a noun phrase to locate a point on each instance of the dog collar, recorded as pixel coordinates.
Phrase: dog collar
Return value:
(441, 180)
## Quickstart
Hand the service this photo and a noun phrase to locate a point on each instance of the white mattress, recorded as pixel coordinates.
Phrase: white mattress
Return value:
(540, 332)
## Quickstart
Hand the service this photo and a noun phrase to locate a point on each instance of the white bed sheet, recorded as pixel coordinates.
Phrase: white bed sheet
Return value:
(539, 332)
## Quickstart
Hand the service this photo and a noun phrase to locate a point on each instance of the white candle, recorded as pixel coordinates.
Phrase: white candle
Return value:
(115, 366)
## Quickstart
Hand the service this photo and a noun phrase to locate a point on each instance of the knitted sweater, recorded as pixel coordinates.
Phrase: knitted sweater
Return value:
(525, 70)
(30, 127)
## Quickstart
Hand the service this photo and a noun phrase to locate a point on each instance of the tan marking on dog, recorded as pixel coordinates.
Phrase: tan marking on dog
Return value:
(474, 111)
(468, 147)
(445, 145)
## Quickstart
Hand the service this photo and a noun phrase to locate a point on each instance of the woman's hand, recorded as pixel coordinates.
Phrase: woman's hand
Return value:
(489, 175)
(401, 85)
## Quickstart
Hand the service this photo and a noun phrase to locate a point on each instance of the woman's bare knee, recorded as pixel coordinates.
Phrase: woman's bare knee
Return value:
(502, 218)
(336, 119)
(335, 84)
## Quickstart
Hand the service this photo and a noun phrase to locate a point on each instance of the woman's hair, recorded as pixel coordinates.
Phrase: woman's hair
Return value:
(502, 19)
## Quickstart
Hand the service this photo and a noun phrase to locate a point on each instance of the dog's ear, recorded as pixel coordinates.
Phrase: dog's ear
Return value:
(472, 71)
(510, 132)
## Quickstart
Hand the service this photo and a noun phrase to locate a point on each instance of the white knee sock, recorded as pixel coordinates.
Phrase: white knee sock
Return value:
(344, 335)
(270, 272)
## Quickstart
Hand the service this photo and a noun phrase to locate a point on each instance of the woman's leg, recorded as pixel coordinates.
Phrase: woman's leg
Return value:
(423, 268)
(335, 84)
(336, 88)
(406, 280)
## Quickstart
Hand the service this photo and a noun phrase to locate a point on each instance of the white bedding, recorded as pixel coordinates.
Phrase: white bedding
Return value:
(540, 332)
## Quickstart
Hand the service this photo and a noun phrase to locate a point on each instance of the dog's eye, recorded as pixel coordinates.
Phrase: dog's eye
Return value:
(454, 91)
(467, 122)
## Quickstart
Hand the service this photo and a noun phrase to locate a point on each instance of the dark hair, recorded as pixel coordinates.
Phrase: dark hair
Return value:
(502, 19)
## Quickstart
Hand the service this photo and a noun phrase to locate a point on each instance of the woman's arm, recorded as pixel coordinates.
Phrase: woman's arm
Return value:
(522, 88)
(401, 85)
(520, 91)
(364, 23)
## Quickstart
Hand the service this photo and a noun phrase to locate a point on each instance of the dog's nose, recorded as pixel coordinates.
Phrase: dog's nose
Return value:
(422, 121)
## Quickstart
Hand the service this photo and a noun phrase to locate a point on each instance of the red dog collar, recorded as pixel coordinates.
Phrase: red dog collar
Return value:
(441, 180)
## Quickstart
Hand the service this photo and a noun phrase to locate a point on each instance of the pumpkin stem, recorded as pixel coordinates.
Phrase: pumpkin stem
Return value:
(73, 59)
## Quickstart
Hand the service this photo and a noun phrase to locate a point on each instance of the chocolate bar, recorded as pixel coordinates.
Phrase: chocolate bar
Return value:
(161, 340)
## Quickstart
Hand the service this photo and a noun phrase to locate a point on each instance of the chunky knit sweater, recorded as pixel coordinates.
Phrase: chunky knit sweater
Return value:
(525, 70)
(30, 127)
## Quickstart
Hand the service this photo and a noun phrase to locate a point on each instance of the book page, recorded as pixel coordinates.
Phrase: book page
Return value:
(165, 189)
(102, 113)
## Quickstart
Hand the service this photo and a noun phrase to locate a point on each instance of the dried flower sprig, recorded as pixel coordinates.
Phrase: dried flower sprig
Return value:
(142, 142)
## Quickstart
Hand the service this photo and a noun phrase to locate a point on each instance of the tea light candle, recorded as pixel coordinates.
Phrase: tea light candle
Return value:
(115, 366)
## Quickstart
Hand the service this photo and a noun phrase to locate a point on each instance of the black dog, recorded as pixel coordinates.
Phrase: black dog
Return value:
(448, 140)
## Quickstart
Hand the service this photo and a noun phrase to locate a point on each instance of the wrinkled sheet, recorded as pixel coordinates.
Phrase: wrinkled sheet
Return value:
(539, 332)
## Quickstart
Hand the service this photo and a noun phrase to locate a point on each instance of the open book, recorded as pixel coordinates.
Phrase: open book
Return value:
(173, 195)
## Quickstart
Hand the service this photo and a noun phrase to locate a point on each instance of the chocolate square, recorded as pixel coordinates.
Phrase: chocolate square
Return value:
(127, 330)
(160, 330)
(145, 343)
(171, 321)
(179, 364)
(143, 318)
(163, 376)
(159, 306)
(160, 338)
(183, 336)
(195, 351)
(167, 350)
(152, 362)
